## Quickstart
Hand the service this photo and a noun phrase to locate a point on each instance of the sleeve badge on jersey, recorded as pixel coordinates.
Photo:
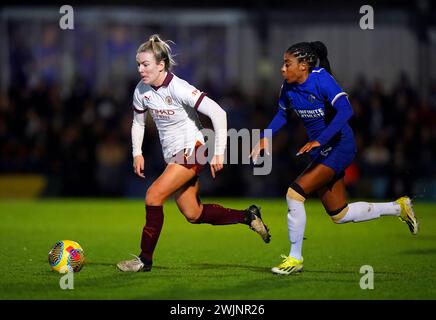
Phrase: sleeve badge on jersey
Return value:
(169, 100)
(195, 92)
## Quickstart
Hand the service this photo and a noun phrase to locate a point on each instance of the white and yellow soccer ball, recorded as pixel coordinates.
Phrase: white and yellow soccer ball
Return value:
(66, 256)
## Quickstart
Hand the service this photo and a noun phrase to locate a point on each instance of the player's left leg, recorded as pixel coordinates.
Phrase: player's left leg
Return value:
(314, 177)
(187, 200)
(173, 178)
(334, 200)
(189, 204)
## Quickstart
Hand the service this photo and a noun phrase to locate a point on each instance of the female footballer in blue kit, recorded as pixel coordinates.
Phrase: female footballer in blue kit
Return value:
(314, 95)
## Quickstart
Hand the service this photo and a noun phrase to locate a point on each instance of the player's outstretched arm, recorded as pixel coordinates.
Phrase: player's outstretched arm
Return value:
(138, 165)
(279, 120)
(216, 164)
(262, 144)
(218, 117)
(344, 111)
(308, 146)
(138, 128)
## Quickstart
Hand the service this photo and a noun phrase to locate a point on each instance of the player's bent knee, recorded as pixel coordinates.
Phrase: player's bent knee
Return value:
(154, 198)
(295, 192)
(337, 216)
(191, 212)
(193, 220)
(192, 216)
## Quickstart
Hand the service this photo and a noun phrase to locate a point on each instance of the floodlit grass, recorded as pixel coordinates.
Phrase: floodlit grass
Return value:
(212, 262)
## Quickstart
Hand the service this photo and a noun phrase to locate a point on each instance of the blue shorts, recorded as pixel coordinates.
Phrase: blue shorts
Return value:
(337, 156)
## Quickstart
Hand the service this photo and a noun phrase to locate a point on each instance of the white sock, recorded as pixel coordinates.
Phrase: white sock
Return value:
(296, 225)
(364, 211)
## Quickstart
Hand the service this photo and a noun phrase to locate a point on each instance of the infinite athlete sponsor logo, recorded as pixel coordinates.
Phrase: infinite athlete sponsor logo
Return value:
(305, 114)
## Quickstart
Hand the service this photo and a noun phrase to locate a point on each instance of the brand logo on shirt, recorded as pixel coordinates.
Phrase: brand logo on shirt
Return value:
(168, 100)
(311, 98)
(195, 92)
(146, 98)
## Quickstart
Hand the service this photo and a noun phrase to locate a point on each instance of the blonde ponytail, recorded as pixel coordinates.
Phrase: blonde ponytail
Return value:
(160, 49)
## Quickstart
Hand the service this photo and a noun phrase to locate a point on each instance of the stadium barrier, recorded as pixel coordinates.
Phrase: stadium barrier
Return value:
(22, 185)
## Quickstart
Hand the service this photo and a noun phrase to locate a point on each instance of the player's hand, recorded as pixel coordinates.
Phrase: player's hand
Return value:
(138, 165)
(308, 146)
(216, 164)
(261, 145)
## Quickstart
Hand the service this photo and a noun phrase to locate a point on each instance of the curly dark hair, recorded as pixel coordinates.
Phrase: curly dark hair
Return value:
(311, 52)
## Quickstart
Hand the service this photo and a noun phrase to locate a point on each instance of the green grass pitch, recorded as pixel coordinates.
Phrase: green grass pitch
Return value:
(212, 262)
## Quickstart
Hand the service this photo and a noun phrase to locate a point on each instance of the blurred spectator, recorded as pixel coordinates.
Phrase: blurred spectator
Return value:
(48, 55)
(377, 156)
(85, 54)
(121, 51)
(111, 157)
(81, 141)
(21, 57)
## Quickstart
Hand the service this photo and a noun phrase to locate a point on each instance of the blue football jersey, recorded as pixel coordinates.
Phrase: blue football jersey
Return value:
(312, 101)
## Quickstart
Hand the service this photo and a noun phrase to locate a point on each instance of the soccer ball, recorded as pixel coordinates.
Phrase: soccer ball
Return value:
(66, 256)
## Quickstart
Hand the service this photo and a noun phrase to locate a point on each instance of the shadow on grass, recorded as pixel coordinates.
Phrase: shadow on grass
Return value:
(229, 266)
(356, 271)
(113, 264)
(430, 251)
(268, 269)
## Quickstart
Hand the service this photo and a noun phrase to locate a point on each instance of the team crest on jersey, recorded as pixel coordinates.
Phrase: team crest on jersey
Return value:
(169, 100)
(311, 98)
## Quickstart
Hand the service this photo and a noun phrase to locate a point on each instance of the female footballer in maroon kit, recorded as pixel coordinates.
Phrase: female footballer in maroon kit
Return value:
(173, 104)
